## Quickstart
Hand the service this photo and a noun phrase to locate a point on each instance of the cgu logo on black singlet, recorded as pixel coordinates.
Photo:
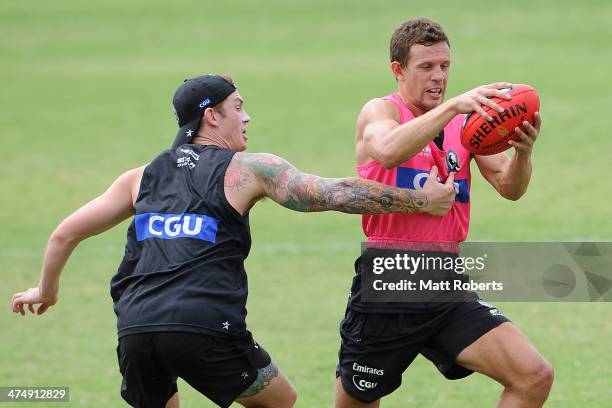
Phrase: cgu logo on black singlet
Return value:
(172, 226)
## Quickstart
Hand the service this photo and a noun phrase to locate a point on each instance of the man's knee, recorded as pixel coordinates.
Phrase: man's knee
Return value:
(285, 399)
(542, 379)
(535, 382)
(173, 402)
(291, 397)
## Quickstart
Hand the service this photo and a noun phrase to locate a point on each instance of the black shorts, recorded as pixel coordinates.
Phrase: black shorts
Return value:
(377, 348)
(219, 368)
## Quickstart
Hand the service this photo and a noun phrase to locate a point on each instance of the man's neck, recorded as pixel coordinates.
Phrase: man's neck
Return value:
(210, 139)
(414, 108)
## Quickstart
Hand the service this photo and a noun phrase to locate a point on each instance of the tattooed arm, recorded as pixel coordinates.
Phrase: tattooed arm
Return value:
(260, 175)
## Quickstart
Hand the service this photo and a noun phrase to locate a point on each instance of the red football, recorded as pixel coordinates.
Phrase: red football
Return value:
(490, 137)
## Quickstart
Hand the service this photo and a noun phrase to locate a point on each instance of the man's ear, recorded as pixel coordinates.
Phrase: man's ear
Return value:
(397, 70)
(210, 117)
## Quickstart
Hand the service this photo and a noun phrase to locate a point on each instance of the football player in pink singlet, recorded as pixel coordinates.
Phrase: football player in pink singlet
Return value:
(400, 138)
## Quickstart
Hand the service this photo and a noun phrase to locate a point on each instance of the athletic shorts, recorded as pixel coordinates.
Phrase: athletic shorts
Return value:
(377, 348)
(219, 368)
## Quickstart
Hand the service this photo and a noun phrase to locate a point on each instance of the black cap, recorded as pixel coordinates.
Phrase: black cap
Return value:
(192, 98)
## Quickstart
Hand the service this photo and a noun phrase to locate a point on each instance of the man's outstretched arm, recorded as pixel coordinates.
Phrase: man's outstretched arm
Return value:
(106, 211)
(268, 175)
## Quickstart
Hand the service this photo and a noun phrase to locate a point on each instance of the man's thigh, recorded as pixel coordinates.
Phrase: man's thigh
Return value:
(146, 382)
(465, 325)
(271, 388)
(344, 400)
(375, 350)
(504, 354)
(219, 368)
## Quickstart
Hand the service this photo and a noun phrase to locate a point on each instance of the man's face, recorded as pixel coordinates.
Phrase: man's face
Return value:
(233, 120)
(423, 79)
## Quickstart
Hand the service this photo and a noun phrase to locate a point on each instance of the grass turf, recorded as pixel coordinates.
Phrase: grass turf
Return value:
(86, 92)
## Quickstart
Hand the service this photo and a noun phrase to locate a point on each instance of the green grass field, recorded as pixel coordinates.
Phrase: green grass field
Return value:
(86, 93)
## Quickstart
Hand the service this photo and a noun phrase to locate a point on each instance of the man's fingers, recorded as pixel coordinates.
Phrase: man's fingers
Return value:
(489, 102)
(530, 131)
(528, 127)
(538, 121)
(520, 145)
(450, 179)
(500, 93)
(42, 308)
(15, 302)
(522, 135)
(482, 113)
(503, 94)
(433, 173)
(500, 85)
(21, 299)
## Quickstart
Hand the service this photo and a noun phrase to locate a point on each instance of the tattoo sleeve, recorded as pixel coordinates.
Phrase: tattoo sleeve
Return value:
(306, 192)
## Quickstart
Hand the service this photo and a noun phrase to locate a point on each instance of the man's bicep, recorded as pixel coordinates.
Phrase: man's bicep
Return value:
(373, 131)
(376, 120)
(242, 188)
(377, 117)
(280, 180)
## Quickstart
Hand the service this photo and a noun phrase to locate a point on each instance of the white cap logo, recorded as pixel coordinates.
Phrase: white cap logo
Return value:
(204, 103)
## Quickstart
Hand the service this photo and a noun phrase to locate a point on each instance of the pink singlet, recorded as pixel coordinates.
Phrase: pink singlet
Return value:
(421, 227)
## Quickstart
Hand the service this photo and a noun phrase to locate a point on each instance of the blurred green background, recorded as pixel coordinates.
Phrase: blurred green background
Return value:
(85, 93)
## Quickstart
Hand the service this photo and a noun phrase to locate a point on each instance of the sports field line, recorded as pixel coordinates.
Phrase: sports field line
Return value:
(266, 247)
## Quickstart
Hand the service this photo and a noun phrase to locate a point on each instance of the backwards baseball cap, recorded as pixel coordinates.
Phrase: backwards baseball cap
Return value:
(192, 98)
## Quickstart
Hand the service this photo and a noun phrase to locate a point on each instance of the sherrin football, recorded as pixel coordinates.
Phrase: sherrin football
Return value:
(483, 137)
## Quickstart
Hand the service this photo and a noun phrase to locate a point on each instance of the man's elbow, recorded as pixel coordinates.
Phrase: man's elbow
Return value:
(513, 197)
(387, 158)
(390, 162)
(512, 194)
(64, 236)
